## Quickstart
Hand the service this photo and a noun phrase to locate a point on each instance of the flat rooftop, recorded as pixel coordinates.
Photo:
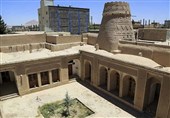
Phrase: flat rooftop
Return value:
(25, 56)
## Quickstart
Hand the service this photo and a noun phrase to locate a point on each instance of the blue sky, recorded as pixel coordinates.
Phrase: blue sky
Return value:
(17, 12)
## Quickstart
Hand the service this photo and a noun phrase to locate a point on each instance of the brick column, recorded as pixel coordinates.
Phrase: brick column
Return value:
(27, 82)
(50, 77)
(64, 70)
(39, 79)
(95, 69)
(164, 98)
(121, 86)
(108, 79)
(22, 84)
(82, 61)
(140, 90)
(64, 75)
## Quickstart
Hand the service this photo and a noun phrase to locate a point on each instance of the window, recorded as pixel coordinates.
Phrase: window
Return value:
(44, 78)
(33, 80)
(55, 75)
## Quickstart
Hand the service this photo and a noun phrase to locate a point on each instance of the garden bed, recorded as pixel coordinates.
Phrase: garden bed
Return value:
(58, 110)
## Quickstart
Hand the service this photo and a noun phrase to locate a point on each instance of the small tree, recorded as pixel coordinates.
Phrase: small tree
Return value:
(2, 26)
(67, 104)
(133, 22)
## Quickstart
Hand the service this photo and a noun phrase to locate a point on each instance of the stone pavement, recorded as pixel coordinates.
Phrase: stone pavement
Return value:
(26, 106)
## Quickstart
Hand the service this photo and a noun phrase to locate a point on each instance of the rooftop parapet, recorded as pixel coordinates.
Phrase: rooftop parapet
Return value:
(117, 9)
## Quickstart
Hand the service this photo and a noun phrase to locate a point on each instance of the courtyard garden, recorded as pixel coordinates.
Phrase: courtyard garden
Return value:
(66, 108)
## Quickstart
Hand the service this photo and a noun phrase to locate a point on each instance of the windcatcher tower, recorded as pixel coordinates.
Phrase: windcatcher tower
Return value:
(116, 25)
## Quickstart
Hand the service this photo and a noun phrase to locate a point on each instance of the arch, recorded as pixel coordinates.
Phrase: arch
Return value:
(152, 93)
(103, 75)
(74, 68)
(87, 71)
(114, 82)
(129, 88)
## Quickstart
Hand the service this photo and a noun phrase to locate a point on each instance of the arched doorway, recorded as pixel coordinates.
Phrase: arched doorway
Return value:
(152, 92)
(129, 86)
(88, 71)
(114, 83)
(70, 69)
(8, 84)
(103, 78)
(74, 69)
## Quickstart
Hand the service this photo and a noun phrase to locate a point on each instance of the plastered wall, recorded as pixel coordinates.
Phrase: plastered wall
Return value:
(154, 34)
(158, 53)
(18, 39)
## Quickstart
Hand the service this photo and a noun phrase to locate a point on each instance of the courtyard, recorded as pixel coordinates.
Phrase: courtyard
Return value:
(27, 105)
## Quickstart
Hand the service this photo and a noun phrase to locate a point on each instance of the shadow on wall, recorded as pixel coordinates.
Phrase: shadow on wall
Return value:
(115, 101)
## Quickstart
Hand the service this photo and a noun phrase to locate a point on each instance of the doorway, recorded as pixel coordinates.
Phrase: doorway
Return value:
(8, 84)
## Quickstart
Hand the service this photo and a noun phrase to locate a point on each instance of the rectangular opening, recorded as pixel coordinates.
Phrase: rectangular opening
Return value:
(55, 75)
(33, 80)
(44, 78)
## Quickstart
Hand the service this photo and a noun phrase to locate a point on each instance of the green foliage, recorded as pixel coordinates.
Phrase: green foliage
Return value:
(133, 22)
(59, 109)
(3, 26)
(67, 104)
(94, 27)
(47, 110)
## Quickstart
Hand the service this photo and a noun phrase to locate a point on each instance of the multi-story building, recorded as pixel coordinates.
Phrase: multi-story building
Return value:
(62, 19)
(18, 28)
(167, 24)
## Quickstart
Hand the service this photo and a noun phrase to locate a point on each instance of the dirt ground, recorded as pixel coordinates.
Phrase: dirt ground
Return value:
(27, 106)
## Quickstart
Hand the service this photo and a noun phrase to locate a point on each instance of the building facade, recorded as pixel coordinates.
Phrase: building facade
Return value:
(138, 75)
(62, 19)
(137, 81)
(167, 24)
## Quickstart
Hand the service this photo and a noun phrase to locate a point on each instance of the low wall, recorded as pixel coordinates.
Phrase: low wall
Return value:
(59, 47)
(19, 39)
(23, 47)
(63, 39)
(92, 38)
(154, 34)
(157, 54)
